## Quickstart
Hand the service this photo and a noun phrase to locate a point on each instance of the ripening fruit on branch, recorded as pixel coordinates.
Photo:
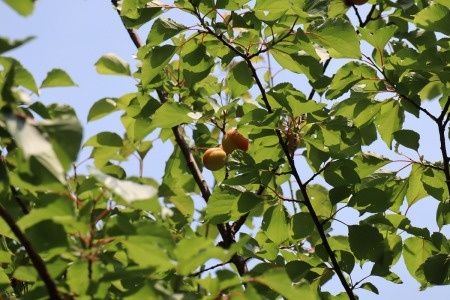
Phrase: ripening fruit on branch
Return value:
(214, 159)
(355, 2)
(233, 140)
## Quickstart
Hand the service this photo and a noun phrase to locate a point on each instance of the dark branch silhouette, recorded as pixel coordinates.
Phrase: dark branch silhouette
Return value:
(37, 261)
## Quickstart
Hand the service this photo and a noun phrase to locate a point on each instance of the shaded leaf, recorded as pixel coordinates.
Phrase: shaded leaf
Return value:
(6, 44)
(407, 138)
(366, 242)
(239, 79)
(370, 200)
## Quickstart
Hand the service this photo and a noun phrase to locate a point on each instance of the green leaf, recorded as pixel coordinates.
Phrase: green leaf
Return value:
(112, 64)
(127, 190)
(55, 208)
(162, 30)
(297, 61)
(337, 35)
(437, 269)
(389, 120)
(443, 214)
(407, 138)
(65, 134)
(146, 253)
(26, 273)
(184, 203)
(228, 203)
(239, 79)
(415, 252)
(171, 114)
(341, 173)
(102, 108)
(434, 18)
(366, 242)
(302, 225)
(19, 75)
(78, 277)
(39, 234)
(318, 195)
(361, 110)
(155, 61)
(270, 10)
(278, 280)
(370, 200)
(435, 184)
(286, 97)
(104, 139)
(370, 287)
(194, 252)
(35, 144)
(23, 7)
(6, 44)
(369, 162)
(416, 189)
(196, 63)
(275, 224)
(380, 37)
(57, 78)
(346, 77)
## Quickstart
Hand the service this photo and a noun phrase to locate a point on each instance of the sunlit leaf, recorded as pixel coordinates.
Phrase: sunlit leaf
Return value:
(434, 18)
(111, 64)
(56, 78)
(127, 190)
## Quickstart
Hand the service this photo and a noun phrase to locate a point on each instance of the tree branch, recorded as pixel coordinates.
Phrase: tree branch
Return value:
(441, 123)
(317, 223)
(307, 202)
(19, 201)
(37, 261)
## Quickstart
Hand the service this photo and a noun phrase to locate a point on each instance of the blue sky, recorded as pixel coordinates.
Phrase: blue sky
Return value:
(73, 35)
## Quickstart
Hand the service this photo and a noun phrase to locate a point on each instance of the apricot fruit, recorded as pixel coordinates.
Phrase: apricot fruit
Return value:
(214, 159)
(233, 140)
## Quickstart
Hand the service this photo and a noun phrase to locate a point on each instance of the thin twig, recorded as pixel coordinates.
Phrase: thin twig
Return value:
(19, 201)
(209, 269)
(325, 66)
(37, 261)
(317, 173)
(357, 15)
